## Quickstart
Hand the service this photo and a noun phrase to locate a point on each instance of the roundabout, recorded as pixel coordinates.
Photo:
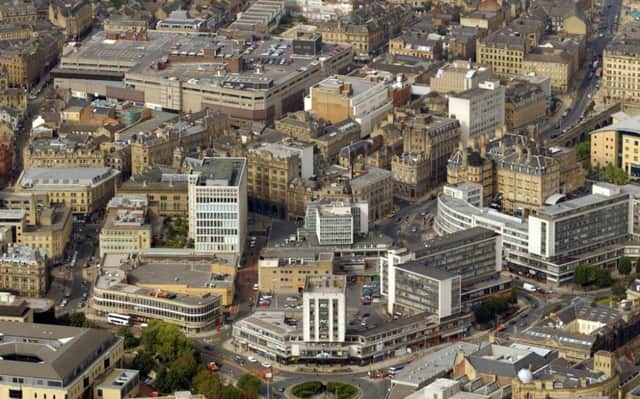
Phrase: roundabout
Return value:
(317, 389)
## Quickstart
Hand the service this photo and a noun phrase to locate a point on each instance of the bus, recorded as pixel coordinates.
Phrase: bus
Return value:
(394, 369)
(118, 319)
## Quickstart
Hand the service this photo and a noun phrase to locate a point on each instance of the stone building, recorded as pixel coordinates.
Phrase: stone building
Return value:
(23, 271)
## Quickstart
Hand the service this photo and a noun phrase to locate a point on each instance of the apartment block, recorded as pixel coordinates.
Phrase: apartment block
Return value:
(324, 312)
(218, 204)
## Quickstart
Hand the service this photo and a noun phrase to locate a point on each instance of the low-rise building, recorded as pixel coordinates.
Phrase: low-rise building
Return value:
(618, 144)
(126, 228)
(14, 309)
(73, 16)
(340, 97)
(458, 76)
(180, 21)
(416, 45)
(18, 13)
(285, 272)
(23, 270)
(83, 190)
(118, 384)
(122, 288)
(54, 360)
(525, 104)
(51, 233)
(165, 189)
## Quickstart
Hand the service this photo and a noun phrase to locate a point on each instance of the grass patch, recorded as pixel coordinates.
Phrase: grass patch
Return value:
(344, 391)
(307, 389)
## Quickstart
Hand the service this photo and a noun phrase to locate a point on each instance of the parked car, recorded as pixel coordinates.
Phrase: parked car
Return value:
(252, 359)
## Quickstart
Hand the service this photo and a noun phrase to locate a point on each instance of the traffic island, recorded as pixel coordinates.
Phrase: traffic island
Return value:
(317, 389)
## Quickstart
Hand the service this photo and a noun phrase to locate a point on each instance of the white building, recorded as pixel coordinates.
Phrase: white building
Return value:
(336, 223)
(324, 309)
(218, 204)
(466, 191)
(319, 9)
(479, 110)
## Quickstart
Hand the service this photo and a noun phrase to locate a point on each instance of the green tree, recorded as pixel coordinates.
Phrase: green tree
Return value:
(177, 375)
(581, 274)
(603, 278)
(583, 150)
(166, 341)
(513, 296)
(207, 383)
(638, 266)
(77, 319)
(249, 384)
(231, 392)
(130, 341)
(619, 291)
(624, 265)
(144, 362)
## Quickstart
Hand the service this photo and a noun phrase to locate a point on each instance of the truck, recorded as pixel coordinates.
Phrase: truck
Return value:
(529, 287)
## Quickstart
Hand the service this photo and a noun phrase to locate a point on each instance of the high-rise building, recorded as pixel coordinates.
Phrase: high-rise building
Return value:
(324, 309)
(218, 204)
(336, 222)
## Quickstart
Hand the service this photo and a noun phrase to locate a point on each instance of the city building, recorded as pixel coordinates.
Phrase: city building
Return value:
(126, 228)
(574, 331)
(74, 17)
(18, 13)
(336, 222)
(525, 104)
(319, 9)
(479, 110)
(260, 18)
(599, 378)
(617, 144)
(365, 38)
(180, 21)
(340, 97)
(118, 25)
(118, 384)
(324, 313)
(284, 272)
(83, 190)
(165, 189)
(329, 139)
(14, 309)
(69, 152)
(51, 234)
(504, 51)
(414, 44)
(122, 288)
(597, 229)
(428, 142)
(619, 59)
(218, 204)
(23, 271)
(190, 73)
(54, 360)
(554, 63)
(458, 76)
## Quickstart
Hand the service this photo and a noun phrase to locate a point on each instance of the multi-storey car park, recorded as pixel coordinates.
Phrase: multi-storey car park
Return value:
(259, 80)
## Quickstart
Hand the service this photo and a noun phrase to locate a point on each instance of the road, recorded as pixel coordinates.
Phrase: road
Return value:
(410, 225)
(588, 86)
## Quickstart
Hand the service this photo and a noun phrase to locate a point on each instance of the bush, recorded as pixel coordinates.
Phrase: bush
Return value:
(624, 265)
(307, 389)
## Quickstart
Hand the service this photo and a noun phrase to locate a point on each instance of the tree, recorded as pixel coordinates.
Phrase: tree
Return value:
(615, 175)
(249, 384)
(603, 278)
(166, 341)
(144, 362)
(130, 341)
(581, 274)
(638, 266)
(231, 392)
(583, 150)
(177, 375)
(513, 296)
(624, 265)
(207, 383)
(76, 320)
(619, 291)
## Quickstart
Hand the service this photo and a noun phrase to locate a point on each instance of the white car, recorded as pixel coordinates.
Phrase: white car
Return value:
(266, 365)
(256, 287)
(252, 359)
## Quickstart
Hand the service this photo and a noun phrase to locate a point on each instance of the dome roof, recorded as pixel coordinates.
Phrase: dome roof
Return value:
(525, 376)
(488, 5)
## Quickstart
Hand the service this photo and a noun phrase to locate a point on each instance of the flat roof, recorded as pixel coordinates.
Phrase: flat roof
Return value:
(218, 171)
(64, 177)
(190, 272)
(51, 352)
(577, 204)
